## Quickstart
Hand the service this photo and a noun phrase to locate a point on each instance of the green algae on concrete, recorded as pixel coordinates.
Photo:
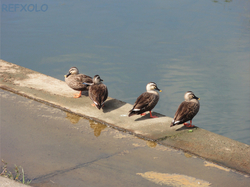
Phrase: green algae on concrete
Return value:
(55, 92)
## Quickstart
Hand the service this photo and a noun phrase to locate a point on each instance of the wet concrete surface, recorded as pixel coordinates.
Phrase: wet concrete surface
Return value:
(56, 93)
(58, 149)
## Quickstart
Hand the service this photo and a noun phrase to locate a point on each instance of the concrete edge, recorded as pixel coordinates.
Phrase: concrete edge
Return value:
(212, 147)
(6, 182)
(45, 89)
(79, 114)
(205, 144)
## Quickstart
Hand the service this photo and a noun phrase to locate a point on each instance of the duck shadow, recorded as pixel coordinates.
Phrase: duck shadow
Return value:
(147, 116)
(185, 128)
(85, 93)
(112, 104)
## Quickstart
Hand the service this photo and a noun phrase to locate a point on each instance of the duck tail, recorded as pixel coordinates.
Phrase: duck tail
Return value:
(172, 124)
(132, 112)
(99, 106)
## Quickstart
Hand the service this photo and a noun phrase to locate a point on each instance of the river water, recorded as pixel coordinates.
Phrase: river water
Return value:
(202, 46)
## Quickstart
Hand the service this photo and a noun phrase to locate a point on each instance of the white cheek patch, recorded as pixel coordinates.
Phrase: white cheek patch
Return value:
(95, 103)
(136, 109)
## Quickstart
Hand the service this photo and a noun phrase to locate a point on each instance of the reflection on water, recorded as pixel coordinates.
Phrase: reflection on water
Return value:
(188, 155)
(151, 144)
(202, 46)
(97, 127)
(73, 118)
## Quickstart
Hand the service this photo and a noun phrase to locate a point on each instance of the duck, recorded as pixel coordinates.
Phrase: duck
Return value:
(78, 82)
(186, 110)
(98, 92)
(146, 101)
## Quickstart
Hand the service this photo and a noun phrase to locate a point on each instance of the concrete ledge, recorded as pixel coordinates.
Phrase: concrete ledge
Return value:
(213, 147)
(48, 89)
(52, 91)
(6, 182)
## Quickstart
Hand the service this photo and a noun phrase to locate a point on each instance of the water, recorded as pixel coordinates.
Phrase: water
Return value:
(202, 46)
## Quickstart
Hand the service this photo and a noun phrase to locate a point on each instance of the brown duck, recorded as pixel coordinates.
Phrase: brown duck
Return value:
(146, 101)
(78, 82)
(98, 92)
(187, 110)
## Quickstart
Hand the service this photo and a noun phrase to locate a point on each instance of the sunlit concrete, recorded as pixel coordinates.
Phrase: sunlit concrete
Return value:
(57, 148)
(56, 93)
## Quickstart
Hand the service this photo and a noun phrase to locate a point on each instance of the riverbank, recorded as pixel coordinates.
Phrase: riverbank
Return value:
(56, 93)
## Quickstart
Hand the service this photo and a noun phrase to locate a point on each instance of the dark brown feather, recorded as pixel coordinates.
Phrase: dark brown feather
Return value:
(185, 112)
(98, 93)
(145, 102)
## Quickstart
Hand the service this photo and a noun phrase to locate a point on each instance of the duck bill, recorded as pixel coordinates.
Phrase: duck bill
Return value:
(67, 75)
(197, 98)
(158, 89)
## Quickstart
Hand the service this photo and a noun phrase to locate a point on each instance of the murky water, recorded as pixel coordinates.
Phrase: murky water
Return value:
(58, 149)
(201, 46)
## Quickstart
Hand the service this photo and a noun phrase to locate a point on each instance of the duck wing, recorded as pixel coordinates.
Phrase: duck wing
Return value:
(98, 94)
(76, 82)
(185, 112)
(145, 102)
(84, 78)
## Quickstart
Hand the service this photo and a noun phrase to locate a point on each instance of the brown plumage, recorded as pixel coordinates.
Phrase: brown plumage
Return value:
(187, 110)
(78, 82)
(146, 101)
(98, 92)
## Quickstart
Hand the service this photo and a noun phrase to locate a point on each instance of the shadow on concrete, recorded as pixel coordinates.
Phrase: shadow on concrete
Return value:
(147, 116)
(85, 93)
(185, 128)
(112, 104)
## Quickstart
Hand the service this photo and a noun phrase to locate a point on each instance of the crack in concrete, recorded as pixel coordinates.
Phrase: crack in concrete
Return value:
(59, 172)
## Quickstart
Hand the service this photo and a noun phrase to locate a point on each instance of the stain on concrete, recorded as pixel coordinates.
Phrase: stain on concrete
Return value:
(210, 164)
(174, 180)
(56, 152)
(138, 145)
(56, 93)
